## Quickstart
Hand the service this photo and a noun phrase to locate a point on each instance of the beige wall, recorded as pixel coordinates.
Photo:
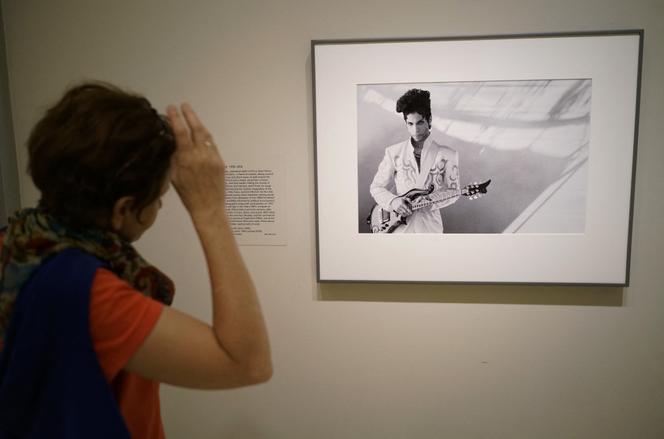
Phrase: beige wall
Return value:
(368, 361)
(9, 196)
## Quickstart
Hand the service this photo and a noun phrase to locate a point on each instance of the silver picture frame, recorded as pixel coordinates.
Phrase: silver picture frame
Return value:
(549, 120)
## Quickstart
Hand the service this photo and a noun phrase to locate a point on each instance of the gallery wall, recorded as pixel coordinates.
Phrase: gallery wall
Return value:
(9, 193)
(366, 360)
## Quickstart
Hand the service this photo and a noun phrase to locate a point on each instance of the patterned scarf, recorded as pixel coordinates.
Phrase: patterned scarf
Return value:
(33, 236)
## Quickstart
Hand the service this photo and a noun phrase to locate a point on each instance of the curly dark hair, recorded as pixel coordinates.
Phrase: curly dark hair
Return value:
(415, 101)
(97, 144)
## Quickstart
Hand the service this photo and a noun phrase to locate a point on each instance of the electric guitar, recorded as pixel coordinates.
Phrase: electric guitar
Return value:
(385, 221)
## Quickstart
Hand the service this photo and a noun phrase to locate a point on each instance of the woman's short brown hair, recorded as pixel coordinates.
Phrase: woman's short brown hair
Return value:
(94, 146)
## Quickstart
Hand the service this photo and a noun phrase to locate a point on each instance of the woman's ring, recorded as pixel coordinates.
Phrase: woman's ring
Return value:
(208, 144)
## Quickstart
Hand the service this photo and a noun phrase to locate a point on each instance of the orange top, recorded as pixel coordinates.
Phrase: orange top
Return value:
(120, 320)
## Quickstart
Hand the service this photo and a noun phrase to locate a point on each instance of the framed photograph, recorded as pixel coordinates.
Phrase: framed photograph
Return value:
(487, 159)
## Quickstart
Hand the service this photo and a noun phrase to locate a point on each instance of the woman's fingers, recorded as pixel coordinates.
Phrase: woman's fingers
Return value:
(197, 169)
(199, 133)
(178, 125)
(188, 130)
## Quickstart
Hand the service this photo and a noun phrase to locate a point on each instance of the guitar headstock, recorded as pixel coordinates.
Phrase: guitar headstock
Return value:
(475, 190)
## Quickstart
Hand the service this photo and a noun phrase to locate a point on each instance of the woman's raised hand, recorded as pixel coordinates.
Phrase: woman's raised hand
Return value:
(197, 170)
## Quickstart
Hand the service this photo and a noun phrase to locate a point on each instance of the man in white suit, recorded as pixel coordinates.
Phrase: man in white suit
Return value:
(416, 162)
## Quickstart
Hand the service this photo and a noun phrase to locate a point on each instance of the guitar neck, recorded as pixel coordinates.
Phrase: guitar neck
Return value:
(436, 197)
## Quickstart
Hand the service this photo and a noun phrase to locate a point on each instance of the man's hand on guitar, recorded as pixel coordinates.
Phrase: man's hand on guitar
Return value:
(401, 206)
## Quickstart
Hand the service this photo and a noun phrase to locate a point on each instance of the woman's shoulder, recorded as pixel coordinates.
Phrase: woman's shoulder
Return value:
(121, 317)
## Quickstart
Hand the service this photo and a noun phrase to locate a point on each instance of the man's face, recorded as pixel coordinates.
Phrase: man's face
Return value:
(418, 126)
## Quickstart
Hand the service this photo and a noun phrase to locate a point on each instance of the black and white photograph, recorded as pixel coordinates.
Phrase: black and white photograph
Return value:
(473, 157)
(510, 152)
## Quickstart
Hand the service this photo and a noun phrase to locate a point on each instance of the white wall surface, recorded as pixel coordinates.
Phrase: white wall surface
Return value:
(367, 361)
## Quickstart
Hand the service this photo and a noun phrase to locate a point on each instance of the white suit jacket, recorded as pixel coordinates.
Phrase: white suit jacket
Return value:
(398, 173)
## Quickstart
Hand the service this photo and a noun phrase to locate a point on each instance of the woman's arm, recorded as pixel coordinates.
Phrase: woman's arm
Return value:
(182, 350)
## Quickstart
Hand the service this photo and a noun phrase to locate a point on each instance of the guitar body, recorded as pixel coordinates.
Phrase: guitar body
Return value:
(386, 221)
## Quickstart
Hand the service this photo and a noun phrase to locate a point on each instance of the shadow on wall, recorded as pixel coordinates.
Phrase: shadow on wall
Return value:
(531, 138)
(513, 294)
